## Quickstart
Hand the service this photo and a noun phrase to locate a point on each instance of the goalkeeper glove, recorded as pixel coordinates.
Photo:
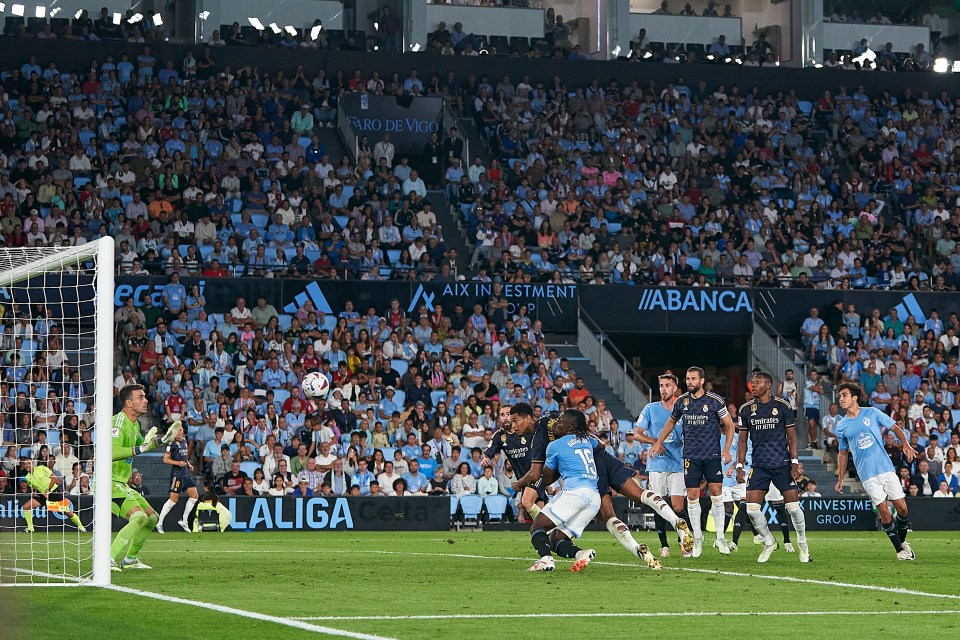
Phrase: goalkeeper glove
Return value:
(171, 433)
(149, 442)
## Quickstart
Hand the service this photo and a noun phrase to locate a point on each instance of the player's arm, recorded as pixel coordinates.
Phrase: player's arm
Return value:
(657, 447)
(492, 450)
(535, 473)
(742, 454)
(639, 430)
(167, 459)
(549, 467)
(729, 430)
(791, 430)
(908, 452)
(842, 454)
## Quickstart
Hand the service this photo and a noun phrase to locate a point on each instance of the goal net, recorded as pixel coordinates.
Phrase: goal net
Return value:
(56, 400)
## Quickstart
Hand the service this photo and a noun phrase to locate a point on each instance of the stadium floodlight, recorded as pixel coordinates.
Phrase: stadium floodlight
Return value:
(204, 15)
(376, 26)
(941, 65)
(78, 14)
(53, 11)
(80, 282)
(867, 59)
(415, 46)
(117, 18)
(616, 51)
(647, 55)
(315, 31)
(3, 7)
(17, 10)
(290, 30)
(710, 56)
(135, 18)
(41, 11)
(956, 66)
(274, 27)
(157, 20)
(255, 23)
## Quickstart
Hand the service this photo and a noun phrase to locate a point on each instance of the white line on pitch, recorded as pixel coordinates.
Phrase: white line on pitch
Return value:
(654, 614)
(253, 615)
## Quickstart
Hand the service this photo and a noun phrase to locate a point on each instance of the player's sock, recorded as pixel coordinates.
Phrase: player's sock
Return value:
(890, 528)
(660, 507)
(566, 549)
(693, 509)
(799, 522)
(141, 536)
(621, 532)
(760, 523)
(28, 516)
(661, 526)
(739, 521)
(903, 524)
(188, 510)
(534, 511)
(716, 509)
(727, 517)
(75, 519)
(685, 514)
(541, 542)
(784, 522)
(167, 506)
(122, 542)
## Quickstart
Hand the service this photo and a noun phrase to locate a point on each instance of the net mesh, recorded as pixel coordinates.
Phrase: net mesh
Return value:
(48, 351)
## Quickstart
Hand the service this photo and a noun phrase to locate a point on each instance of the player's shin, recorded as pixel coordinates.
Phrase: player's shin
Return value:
(784, 521)
(760, 523)
(659, 506)
(533, 510)
(799, 523)
(188, 510)
(693, 509)
(739, 522)
(28, 516)
(903, 526)
(121, 543)
(167, 506)
(727, 517)
(890, 528)
(566, 549)
(621, 532)
(716, 510)
(661, 526)
(540, 540)
(141, 536)
(75, 519)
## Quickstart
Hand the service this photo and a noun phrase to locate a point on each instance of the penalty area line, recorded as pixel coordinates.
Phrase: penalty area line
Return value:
(209, 606)
(653, 614)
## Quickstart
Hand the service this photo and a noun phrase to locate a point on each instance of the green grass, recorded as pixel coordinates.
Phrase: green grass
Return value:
(299, 575)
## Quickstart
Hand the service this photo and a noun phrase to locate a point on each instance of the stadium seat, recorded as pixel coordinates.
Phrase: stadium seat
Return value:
(437, 396)
(496, 507)
(341, 221)
(624, 426)
(260, 220)
(53, 437)
(393, 255)
(279, 397)
(283, 320)
(304, 141)
(454, 503)
(80, 182)
(472, 505)
(400, 366)
(400, 397)
(693, 262)
(329, 322)
(388, 452)
(249, 467)
(86, 137)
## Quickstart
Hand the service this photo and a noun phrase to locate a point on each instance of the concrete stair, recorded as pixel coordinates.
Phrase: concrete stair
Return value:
(592, 380)
(156, 475)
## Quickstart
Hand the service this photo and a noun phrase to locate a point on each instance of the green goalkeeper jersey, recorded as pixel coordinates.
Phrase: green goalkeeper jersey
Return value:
(39, 478)
(126, 435)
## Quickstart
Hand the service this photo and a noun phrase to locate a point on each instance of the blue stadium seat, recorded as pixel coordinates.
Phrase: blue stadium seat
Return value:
(388, 452)
(623, 427)
(614, 227)
(472, 505)
(805, 106)
(125, 199)
(393, 255)
(496, 507)
(329, 323)
(693, 262)
(341, 221)
(312, 254)
(400, 397)
(454, 503)
(249, 467)
(53, 437)
(400, 366)
(304, 141)
(279, 397)
(80, 182)
(86, 137)
(437, 396)
(260, 220)
(284, 320)
(205, 250)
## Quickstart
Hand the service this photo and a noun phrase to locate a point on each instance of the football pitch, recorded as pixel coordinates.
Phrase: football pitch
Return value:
(476, 584)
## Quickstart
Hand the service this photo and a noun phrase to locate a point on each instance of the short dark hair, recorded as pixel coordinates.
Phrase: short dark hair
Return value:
(697, 370)
(668, 376)
(763, 374)
(522, 409)
(853, 389)
(128, 390)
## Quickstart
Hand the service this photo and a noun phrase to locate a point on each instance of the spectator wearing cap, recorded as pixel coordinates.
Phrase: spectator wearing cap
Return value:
(629, 450)
(302, 120)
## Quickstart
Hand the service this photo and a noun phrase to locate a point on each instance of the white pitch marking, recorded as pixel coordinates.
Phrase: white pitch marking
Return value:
(655, 614)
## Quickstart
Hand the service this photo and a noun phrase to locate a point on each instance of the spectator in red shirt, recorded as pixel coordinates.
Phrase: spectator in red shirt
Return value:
(232, 482)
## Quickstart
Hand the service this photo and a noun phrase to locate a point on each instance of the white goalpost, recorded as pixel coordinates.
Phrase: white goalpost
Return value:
(56, 349)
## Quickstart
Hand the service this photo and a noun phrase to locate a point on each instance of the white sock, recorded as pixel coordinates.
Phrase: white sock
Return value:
(760, 523)
(534, 511)
(799, 522)
(660, 505)
(719, 517)
(693, 508)
(191, 503)
(166, 509)
(622, 533)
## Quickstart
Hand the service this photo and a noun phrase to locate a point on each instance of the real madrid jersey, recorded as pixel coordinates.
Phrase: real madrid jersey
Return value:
(862, 436)
(767, 424)
(701, 424)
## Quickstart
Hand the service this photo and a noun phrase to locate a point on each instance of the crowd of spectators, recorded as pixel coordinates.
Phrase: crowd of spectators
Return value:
(905, 368)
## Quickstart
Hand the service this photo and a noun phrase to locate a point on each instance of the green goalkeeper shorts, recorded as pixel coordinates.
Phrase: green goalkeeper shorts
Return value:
(125, 499)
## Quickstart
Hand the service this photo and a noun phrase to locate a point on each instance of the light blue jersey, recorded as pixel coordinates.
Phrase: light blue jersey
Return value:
(732, 480)
(862, 436)
(651, 420)
(572, 458)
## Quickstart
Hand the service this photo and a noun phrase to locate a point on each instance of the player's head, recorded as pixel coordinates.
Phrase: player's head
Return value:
(694, 379)
(133, 400)
(760, 384)
(848, 396)
(668, 385)
(575, 422)
(521, 417)
(503, 416)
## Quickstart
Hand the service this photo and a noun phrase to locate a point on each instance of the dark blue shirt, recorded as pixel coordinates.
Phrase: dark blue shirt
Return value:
(516, 447)
(767, 425)
(542, 436)
(178, 452)
(701, 424)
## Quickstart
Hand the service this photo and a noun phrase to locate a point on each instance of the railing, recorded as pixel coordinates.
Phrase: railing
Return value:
(350, 140)
(612, 364)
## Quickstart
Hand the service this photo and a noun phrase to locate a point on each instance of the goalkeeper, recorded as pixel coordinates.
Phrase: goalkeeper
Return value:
(45, 482)
(127, 503)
